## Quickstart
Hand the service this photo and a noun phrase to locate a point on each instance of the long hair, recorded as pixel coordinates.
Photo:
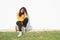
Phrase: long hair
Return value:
(23, 12)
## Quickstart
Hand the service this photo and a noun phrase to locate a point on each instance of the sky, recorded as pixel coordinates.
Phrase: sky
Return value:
(43, 14)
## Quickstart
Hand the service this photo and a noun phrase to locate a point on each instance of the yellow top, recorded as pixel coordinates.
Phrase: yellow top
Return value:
(21, 18)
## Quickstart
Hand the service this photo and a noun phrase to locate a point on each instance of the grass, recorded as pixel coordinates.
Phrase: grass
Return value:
(43, 35)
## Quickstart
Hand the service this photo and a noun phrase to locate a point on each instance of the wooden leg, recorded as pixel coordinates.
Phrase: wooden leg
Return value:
(16, 28)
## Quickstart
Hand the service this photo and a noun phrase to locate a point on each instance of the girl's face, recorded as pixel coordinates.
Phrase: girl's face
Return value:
(22, 10)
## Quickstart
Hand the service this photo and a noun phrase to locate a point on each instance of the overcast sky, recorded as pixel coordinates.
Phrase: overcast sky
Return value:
(43, 14)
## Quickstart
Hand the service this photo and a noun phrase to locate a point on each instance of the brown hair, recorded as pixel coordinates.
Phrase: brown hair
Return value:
(24, 10)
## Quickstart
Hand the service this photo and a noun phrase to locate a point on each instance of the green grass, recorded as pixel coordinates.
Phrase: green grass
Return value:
(43, 35)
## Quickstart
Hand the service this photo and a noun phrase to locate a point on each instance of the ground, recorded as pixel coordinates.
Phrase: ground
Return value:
(39, 35)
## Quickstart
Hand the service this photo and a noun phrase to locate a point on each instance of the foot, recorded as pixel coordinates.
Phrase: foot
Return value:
(20, 34)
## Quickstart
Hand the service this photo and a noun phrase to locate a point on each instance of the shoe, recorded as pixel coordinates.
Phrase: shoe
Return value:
(20, 33)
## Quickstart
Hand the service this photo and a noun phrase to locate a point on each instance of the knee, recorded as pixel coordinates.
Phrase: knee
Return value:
(18, 22)
(26, 19)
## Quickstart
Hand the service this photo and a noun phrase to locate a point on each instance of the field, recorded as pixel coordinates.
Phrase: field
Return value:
(40, 35)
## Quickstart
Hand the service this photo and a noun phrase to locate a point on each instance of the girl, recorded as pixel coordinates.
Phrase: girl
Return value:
(22, 20)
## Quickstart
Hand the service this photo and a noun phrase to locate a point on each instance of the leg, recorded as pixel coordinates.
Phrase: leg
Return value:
(25, 22)
(19, 26)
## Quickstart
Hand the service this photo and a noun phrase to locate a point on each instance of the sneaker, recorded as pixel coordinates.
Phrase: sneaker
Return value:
(20, 33)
